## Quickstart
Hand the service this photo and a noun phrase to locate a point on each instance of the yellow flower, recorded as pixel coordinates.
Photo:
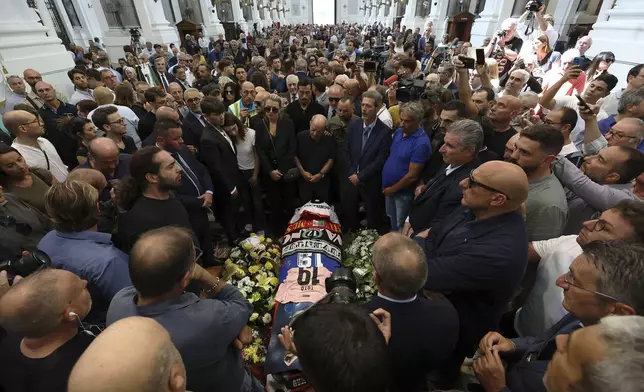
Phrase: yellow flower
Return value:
(240, 272)
(273, 281)
(269, 241)
(247, 246)
(261, 238)
(228, 262)
(255, 297)
(253, 255)
(253, 317)
(253, 269)
(268, 265)
(253, 235)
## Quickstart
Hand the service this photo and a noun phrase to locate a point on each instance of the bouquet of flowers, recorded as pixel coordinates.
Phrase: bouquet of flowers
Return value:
(253, 268)
(357, 253)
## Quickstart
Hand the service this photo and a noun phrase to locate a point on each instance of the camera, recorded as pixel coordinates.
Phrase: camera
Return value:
(500, 33)
(410, 89)
(26, 265)
(533, 5)
(341, 287)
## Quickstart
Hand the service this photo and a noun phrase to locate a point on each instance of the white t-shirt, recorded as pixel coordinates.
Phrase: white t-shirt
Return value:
(246, 151)
(543, 309)
(46, 157)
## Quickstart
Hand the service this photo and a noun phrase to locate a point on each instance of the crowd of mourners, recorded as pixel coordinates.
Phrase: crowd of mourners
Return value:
(508, 192)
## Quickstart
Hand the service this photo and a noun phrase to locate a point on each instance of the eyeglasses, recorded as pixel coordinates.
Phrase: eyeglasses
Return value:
(198, 253)
(21, 228)
(547, 121)
(473, 183)
(334, 99)
(229, 91)
(120, 120)
(599, 225)
(617, 135)
(37, 120)
(193, 100)
(569, 279)
(610, 60)
(272, 109)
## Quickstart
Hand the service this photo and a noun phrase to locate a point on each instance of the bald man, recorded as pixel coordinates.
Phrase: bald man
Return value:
(105, 97)
(133, 354)
(352, 90)
(42, 314)
(426, 330)
(245, 107)
(477, 255)
(500, 115)
(32, 77)
(29, 140)
(105, 157)
(314, 160)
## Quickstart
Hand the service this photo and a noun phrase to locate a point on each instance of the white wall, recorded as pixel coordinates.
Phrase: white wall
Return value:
(323, 12)
(348, 11)
(298, 14)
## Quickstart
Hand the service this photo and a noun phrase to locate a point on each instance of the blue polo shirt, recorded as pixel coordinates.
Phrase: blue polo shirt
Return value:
(414, 148)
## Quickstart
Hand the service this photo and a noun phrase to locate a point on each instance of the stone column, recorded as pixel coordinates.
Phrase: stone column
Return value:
(409, 19)
(381, 14)
(25, 43)
(154, 26)
(211, 21)
(620, 30)
(238, 15)
(256, 19)
(490, 20)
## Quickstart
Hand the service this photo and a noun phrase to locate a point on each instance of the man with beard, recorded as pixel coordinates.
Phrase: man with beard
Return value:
(546, 207)
(146, 197)
(81, 87)
(604, 179)
(302, 111)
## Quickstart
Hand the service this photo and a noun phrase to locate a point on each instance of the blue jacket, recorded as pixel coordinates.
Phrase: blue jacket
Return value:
(278, 83)
(527, 364)
(477, 265)
(367, 162)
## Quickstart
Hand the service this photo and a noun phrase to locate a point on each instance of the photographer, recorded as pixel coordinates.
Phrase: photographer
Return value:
(505, 46)
(42, 314)
(534, 13)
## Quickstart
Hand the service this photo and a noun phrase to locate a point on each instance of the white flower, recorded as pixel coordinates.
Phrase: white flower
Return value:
(267, 318)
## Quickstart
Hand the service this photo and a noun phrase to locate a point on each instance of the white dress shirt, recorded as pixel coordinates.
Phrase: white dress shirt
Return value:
(385, 117)
(46, 157)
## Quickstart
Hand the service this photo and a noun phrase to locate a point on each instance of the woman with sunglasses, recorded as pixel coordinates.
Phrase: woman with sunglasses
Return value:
(21, 225)
(599, 65)
(276, 145)
(230, 93)
(27, 184)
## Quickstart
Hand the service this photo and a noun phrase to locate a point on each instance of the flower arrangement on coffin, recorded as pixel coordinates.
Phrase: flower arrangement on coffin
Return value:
(357, 256)
(253, 268)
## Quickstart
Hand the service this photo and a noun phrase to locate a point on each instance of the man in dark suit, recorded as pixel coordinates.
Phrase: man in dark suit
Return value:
(425, 331)
(446, 77)
(367, 147)
(302, 111)
(162, 74)
(196, 190)
(442, 194)
(477, 255)
(156, 97)
(219, 154)
(290, 95)
(193, 123)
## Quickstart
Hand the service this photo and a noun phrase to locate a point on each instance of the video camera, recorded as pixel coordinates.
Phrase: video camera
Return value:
(26, 265)
(410, 89)
(340, 287)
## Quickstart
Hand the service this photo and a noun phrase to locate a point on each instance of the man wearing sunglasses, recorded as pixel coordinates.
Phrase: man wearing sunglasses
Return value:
(605, 280)
(477, 255)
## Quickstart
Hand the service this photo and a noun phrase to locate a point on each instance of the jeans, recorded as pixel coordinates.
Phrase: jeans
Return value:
(397, 207)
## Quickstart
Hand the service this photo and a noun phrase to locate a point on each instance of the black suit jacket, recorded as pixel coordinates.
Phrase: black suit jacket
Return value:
(192, 130)
(477, 265)
(302, 119)
(187, 192)
(168, 76)
(146, 125)
(440, 199)
(220, 160)
(367, 162)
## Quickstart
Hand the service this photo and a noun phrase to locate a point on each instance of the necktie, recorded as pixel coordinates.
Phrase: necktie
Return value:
(365, 137)
(165, 82)
(333, 112)
(189, 173)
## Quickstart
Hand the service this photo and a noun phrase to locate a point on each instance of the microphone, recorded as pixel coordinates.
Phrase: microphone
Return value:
(390, 80)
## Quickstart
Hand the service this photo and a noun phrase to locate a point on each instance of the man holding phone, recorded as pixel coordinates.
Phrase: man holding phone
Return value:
(598, 88)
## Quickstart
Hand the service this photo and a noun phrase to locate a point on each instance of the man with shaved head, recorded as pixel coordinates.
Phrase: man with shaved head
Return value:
(500, 115)
(162, 264)
(37, 151)
(104, 156)
(42, 314)
(334, 94)
(425, 331)
(352, 90)
(477, 255)
(32, 99)
(133, 354)
(314, 160)
(245, 107)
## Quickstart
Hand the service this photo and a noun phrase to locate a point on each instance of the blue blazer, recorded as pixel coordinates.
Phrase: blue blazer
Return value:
(367, 162)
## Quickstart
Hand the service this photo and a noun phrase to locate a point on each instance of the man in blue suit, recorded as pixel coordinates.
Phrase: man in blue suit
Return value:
(366, 147)
(606, 280)
(196, 190)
